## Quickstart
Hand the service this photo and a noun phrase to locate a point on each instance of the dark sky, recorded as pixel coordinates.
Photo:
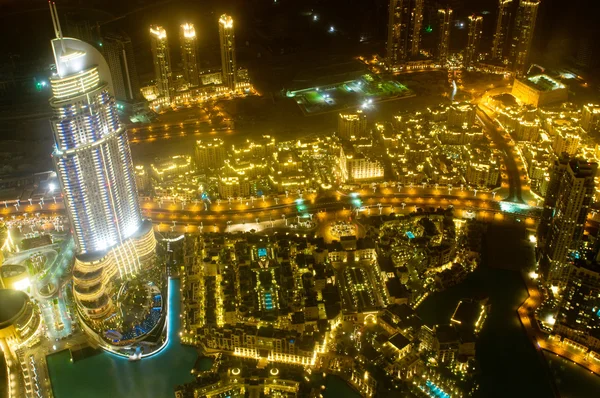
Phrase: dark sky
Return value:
(29, 23)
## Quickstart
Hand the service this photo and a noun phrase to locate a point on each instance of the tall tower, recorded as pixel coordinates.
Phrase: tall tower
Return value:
(187, 40)
(523, 34)
(404, 30)
(162, 61)
(93, 163)
(566, 206)
(475, 31)
(227, 40)
(118, 52)
(501, 33)
(445, 16)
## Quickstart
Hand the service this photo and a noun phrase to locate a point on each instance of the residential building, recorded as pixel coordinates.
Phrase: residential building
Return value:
(471, 53)
(228, 61)
(187, 40)
(523, 35)
(566, 206)
(443, 49)
(404, 30)
(162, 61)
(118, 51)
(502, 28)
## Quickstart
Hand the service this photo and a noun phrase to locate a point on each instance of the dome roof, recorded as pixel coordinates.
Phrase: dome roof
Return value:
(13, 303)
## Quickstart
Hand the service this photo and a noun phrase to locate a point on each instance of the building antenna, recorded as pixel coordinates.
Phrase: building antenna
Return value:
(56, 24)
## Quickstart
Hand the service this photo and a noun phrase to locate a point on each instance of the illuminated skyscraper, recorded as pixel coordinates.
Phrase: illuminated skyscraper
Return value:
(501, 33)
(187, 40)
(566, 206)
(475, 31)
(162, 61)
(404, 30)
(445, 16)
(523, 34)
(118, 52)
(93, 162)
(227, 40)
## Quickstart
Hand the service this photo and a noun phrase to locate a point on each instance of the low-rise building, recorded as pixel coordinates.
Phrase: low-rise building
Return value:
(539, 90)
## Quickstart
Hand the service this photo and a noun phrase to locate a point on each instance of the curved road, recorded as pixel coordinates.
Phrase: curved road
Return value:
(515, 179)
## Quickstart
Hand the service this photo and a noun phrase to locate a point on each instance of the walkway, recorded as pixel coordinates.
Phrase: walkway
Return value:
(541, 339)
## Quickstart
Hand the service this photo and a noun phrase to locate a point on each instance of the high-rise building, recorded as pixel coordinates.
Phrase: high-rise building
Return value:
(352, 125)
(475, 30)
(118, 52)
(162, 61)
(566, 206)
(210, 154)
(94, 167)
(404, 30)
(590, 119)
(578, 317)
(523, 35)
(501, 32)
(187, 40)
(445, 17)
(227, 40)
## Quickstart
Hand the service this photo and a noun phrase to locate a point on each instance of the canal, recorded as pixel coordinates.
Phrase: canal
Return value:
(108, 375)
(508, 363)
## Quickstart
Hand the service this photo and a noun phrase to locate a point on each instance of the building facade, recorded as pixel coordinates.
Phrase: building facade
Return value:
(352, 125)
(118, 51)
(187, 41)
(475, 31)
(210, 154)
(162, 61)
(443, 49)
(404, 30)
(502, 27)
(94, 167)
(523, 35)
(566, 206)
(228, 62)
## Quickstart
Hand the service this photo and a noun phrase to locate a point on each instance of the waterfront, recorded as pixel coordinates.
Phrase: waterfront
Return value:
(572, 381)
(508, 361)
(105, 374)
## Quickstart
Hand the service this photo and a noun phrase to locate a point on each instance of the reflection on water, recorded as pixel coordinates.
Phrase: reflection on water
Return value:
(508, 363)
(572, 380)
(107, 375)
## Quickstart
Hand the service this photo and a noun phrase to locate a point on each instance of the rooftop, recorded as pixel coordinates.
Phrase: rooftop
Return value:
(13, 302)
(543, 83)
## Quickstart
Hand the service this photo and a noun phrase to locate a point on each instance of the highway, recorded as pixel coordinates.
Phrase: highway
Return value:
(246, 210)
